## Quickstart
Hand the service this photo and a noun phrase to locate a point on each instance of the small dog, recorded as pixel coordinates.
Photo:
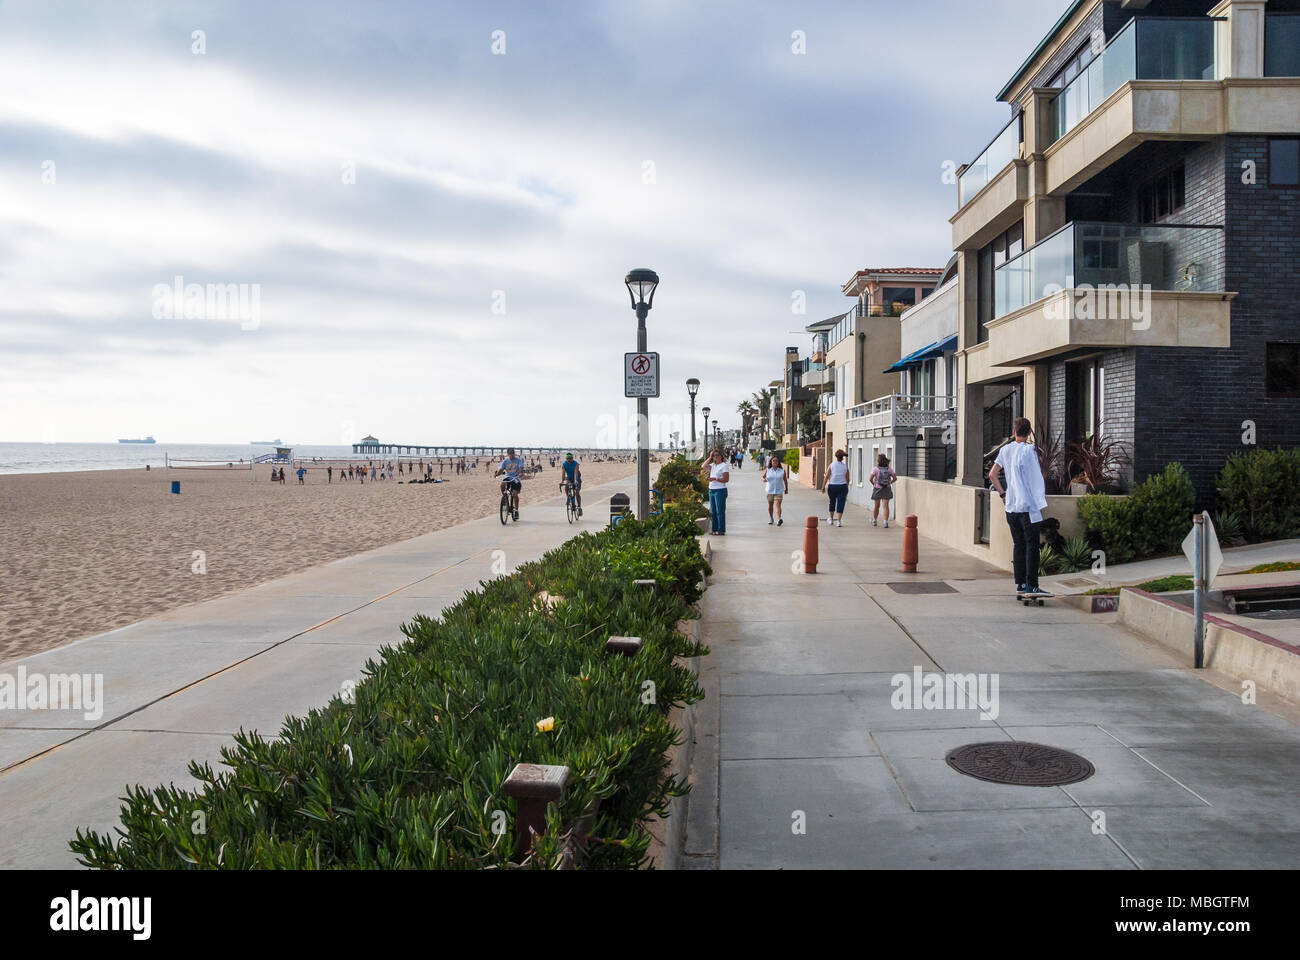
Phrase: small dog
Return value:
(1050, 531)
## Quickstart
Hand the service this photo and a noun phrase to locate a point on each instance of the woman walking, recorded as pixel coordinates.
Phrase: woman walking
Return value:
(836, 483)
(719, 477)
(883, 479)
(776, 482)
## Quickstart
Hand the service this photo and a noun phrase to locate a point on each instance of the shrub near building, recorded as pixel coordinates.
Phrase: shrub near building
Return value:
(1262, 488)
(1151, 521)
(407, 772)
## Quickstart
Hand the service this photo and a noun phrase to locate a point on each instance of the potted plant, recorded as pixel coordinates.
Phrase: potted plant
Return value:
(1098, 462)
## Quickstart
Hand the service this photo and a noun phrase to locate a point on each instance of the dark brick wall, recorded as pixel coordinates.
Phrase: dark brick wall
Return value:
(1056, 398)
(1121, 395)
(1191, 403)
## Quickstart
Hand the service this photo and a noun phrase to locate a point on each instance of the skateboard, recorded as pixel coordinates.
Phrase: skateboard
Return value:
(1030, 601)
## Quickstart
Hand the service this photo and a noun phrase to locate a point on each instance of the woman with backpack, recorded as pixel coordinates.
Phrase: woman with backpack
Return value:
(882, 488)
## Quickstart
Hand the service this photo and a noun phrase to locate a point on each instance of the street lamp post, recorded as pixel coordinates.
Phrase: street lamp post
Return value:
(692, 387)
(706, 431)
(641, 286)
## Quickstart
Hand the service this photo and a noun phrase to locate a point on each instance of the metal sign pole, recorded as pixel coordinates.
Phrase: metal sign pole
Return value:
(643, 436)
(1198, 603)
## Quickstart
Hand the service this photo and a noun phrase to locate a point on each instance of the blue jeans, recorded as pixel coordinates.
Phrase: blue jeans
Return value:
(839, 495)
(718, 510)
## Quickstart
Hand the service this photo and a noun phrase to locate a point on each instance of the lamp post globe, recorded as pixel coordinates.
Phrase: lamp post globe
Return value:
(641, 284)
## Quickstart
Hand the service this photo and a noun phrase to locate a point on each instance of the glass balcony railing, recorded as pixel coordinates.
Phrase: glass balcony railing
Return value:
(1282, 45)
(1109, 256)
(1148, 48)
(1004, 148)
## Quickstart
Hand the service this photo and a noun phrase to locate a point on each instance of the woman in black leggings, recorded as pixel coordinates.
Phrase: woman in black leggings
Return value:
(836, 482)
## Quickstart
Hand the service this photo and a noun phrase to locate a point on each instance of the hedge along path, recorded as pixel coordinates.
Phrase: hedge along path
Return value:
(409, 773)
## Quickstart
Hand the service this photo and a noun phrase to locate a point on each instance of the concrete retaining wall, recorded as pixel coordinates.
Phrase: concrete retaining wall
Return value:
(949, 513)
(1229, 648)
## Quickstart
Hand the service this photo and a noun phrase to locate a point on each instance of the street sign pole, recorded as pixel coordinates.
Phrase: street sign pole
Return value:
(1198, 596)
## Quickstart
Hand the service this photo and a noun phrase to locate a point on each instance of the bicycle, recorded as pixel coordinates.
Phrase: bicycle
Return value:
(509, 505)
(571, 500)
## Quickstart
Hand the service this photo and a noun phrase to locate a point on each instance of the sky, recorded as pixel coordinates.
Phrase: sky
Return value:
(428, 208)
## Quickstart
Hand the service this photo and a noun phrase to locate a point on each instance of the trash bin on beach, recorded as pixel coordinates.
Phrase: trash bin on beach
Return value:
(620, 505)
(176, 486)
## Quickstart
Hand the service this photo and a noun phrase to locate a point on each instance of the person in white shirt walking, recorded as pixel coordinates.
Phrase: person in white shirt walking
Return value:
(719, 477)
(836, 482)
(1026, 498)
(776, 483)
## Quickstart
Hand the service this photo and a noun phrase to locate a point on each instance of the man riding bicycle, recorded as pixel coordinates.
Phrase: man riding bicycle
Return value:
(513, 468)
(573, 477)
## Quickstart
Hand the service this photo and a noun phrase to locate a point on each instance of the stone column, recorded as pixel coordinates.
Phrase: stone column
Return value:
(1238, 39)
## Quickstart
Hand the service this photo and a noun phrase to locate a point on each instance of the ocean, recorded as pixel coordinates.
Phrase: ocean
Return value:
(67, 457)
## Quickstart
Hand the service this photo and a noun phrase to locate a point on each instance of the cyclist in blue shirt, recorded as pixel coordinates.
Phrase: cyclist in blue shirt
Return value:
(573, 475)
(513, 469)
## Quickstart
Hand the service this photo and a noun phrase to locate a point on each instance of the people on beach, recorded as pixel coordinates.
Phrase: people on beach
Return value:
(302, 472)
(882, 488)
(1017, 477)
(719, 476)
(776, 483)
(836, 483)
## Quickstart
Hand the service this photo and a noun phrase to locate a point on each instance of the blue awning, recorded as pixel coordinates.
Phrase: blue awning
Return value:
(915, 359)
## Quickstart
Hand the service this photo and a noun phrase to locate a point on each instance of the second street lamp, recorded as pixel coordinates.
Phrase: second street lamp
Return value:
(706, 432)
(692, 387)
(641, 286)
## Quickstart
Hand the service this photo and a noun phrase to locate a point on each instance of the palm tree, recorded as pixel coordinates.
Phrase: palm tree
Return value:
(747, 413)
(763, 402)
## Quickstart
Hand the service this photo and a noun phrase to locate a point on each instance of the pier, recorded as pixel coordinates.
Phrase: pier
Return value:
(369, 446)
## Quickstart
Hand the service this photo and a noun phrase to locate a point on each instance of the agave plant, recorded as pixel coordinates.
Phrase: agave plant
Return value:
(1228, 525)
(1076, 554)
(1049, 562)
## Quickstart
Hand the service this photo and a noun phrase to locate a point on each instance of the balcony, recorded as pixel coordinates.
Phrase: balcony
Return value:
(1146, 49)
(981, 171)
(1157, 79)
(992, 190)
(1111, 285)
(899, 415)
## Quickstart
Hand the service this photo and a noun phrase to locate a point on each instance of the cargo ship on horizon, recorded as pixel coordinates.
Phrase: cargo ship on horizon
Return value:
(145, 440)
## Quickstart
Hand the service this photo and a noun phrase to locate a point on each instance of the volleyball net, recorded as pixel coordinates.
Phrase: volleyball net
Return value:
(189, 463)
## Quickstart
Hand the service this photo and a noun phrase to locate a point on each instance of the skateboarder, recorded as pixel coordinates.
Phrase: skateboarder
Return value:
(1025, 499)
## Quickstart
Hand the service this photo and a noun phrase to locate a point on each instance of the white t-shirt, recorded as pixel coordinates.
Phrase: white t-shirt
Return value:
(716, 472)
(1023, 479)
(775, 477)
(839, 473)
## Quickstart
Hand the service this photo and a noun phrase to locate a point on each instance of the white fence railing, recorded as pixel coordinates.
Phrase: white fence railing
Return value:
(898, 411)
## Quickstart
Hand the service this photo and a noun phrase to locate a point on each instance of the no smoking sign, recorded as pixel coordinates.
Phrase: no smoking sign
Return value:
(640, 374)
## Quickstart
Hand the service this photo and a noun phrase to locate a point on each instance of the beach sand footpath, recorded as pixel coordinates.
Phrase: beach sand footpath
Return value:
(82, 553)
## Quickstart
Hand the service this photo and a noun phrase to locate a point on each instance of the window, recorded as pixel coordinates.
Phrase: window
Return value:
(1282, 376)
(1010, 244)
(1074, 66)
(1163, 196)
(1283, 163)
(859, 470)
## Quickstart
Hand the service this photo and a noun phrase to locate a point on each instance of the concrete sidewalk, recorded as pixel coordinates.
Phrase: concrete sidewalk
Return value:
(798, 726)
(177, 686)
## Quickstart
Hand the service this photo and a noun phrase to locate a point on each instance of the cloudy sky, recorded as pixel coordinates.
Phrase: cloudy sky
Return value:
(436, 233)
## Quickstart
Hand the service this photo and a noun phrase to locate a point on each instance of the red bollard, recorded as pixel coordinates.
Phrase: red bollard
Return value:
(911, 552)
(810, 546)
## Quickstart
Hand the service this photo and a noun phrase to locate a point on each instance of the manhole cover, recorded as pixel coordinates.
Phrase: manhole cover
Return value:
(921, 586)
(1019, 763)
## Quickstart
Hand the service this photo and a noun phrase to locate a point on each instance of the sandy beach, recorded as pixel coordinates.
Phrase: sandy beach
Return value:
(92, 551)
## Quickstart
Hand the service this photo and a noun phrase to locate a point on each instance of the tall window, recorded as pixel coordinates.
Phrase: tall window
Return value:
(1086, 399)
(1282, 374)
(1163, 196)
(1010, 244)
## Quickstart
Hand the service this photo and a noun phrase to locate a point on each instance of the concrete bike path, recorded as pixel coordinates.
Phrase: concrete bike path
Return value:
(802, 760)
(178, 685)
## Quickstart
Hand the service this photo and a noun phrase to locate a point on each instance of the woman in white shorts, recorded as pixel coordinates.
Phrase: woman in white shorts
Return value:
(776, 482)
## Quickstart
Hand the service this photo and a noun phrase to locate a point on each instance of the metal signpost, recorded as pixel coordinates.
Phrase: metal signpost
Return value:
(1201, 547)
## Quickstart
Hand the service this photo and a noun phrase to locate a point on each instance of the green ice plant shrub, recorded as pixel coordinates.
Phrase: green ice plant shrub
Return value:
(406, 771)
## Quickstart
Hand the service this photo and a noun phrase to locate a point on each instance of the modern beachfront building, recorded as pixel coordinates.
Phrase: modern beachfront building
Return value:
(1127, 249)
